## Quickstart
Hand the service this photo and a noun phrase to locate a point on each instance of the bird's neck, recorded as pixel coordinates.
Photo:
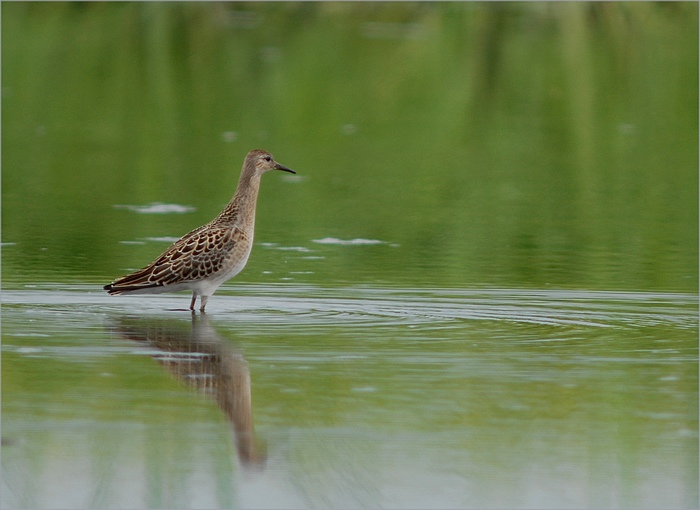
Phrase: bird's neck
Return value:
(240, 211)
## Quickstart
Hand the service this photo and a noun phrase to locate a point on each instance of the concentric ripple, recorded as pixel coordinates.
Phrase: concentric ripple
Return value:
(307, 306)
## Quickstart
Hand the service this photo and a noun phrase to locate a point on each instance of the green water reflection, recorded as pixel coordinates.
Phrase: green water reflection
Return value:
(485, 144)
(360, 398)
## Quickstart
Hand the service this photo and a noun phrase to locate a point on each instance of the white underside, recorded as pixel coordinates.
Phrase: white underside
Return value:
(208, 287)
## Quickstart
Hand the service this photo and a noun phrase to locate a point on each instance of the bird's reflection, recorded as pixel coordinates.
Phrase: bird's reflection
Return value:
(199, 357)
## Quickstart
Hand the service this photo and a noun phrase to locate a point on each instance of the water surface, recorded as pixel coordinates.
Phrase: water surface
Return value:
(360, 397)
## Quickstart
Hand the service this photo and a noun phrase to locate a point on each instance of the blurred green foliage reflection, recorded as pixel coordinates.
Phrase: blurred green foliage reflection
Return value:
(508, 144)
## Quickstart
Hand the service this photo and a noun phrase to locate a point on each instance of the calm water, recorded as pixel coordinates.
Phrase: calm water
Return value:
(480, 290)
(361, 397)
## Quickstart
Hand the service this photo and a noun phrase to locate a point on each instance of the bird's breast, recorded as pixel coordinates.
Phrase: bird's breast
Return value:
(237, 256)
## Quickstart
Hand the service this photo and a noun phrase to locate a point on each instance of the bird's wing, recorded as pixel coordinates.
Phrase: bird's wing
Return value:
(196, 255)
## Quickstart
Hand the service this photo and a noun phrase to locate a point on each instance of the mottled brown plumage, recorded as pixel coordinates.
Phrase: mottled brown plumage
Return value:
(206, 257)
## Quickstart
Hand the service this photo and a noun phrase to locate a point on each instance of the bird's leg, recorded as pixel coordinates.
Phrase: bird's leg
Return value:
(203, 301)
(194, 298)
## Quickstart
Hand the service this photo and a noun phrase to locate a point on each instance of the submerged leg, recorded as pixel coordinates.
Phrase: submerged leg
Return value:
(203, 301)
(194, 298)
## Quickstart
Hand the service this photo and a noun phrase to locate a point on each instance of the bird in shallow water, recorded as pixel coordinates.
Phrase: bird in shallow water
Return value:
(206, 257)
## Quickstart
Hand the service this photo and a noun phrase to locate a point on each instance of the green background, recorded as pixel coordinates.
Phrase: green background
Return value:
(527, 144)
(503, 311)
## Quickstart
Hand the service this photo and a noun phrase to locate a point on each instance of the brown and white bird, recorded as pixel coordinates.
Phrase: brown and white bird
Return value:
(206, 257)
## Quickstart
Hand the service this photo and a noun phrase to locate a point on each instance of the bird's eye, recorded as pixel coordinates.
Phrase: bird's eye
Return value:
(268, 158)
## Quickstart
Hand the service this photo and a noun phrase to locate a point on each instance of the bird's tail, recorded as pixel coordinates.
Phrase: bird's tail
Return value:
(134, 282)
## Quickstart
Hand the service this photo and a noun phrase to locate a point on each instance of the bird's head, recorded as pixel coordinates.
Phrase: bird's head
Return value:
(262, 161)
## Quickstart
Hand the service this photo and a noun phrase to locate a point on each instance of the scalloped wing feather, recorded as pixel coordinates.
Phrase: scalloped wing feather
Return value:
(199, 254)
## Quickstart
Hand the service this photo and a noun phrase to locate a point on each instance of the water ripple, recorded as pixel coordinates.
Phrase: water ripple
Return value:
(308, 306)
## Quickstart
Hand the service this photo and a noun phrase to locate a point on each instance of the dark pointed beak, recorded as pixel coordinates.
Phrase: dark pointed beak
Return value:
(284, 168)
